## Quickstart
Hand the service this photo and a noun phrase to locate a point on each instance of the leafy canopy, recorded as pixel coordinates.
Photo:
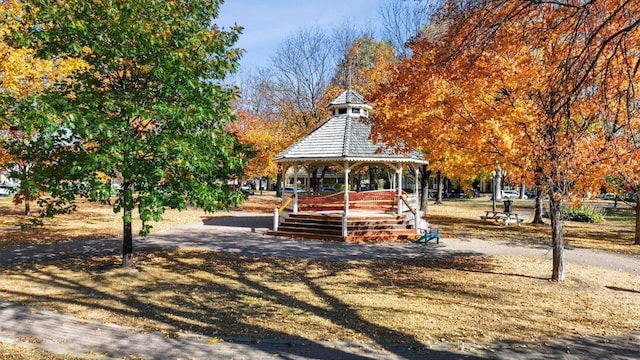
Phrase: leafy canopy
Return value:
(150, 112)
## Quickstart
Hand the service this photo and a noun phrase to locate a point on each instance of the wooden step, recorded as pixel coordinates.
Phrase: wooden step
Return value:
(328, 226)
(363, 225)
(338, 216)
(351, 237)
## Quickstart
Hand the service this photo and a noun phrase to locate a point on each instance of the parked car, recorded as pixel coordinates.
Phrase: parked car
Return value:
(290, 190)
(328, 189)
(6, 190)
(460, 194)
(247, 191)
(512, 194)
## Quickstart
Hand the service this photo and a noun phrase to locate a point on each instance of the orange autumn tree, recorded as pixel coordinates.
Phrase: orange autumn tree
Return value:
(24, 75)
(264, 140)
(624, 117)
(365, 64)
(525, 85)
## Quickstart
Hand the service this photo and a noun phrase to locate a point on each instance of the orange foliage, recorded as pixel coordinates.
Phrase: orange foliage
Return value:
(264, 139)
(532, 86)
(518, 83)
(22, 73)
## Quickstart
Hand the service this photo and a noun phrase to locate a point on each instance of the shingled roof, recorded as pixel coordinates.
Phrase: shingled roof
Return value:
(344, 137)
(350, 97)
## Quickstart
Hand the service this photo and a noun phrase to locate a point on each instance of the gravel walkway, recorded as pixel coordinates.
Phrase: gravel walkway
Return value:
(242, 233)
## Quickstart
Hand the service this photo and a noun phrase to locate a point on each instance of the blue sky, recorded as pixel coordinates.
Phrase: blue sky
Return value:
(267, 23)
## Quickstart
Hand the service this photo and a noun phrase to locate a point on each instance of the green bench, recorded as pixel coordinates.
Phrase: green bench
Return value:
(428, 236)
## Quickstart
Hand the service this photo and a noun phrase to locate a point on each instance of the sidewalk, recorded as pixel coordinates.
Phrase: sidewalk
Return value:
(65, 335)
(243, 234)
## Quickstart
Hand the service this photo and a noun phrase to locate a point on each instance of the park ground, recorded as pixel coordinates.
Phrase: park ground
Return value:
(219, 294)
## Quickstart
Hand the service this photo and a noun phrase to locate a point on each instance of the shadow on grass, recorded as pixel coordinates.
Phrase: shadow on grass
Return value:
(615, 288)
(228, 295)
(244, 298)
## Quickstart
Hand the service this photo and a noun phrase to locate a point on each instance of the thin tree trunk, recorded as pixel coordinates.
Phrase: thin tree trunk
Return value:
(498, 183)
(27, 206)
(637, 235)
(127, 236)
(424, 184)
(279, 184)
(537, 214)
(372, 179)
(440, 187)
(538, 210)
(557, 237)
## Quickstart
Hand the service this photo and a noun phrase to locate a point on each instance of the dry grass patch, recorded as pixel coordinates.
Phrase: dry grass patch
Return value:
(456, 218)
(98, 221)
(461, 218)
(218, 294)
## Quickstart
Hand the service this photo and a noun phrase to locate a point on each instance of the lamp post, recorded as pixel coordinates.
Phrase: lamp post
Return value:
(493, 190)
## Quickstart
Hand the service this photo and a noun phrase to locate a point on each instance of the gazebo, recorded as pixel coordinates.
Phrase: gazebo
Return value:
(344, 143)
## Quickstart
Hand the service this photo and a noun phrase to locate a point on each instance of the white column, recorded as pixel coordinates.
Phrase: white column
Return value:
(399, 175)
(276, 220)
(416, 187)
(295, 188)
(345, 214)
(347, 171)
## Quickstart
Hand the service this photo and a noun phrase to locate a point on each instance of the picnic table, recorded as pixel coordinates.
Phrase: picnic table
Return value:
(505, 217)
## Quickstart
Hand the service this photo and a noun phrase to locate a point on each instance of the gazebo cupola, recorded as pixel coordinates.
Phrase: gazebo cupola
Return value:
(350, 103)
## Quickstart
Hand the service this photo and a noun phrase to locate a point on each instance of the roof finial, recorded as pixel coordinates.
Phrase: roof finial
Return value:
(349, 75)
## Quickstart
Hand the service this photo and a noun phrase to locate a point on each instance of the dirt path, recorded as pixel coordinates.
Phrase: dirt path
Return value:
(243, 233)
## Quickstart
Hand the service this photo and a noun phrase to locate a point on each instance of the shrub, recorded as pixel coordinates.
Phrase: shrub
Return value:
(581, 214)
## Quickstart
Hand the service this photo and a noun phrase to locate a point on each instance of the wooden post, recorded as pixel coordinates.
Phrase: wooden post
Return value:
(345, 226)
(276, 219)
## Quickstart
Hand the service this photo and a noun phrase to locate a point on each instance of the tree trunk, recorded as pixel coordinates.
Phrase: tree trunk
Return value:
(521, 191)
(537, 214)
(279, 184)
(440, 187)
(557, 237)
(424, 184)
(498, 180)
(127, 236)
(372, 179)
(27, 206)
(636, 240)
(538, 210)
(314, 185)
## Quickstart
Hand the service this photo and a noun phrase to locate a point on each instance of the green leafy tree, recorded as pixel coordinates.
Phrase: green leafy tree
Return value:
(151, 110)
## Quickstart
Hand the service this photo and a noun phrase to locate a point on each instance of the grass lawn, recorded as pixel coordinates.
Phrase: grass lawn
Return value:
(461, 218)
(218, 294)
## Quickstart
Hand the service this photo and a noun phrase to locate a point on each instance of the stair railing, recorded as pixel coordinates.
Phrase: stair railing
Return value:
(278, 211)
(416, 217)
